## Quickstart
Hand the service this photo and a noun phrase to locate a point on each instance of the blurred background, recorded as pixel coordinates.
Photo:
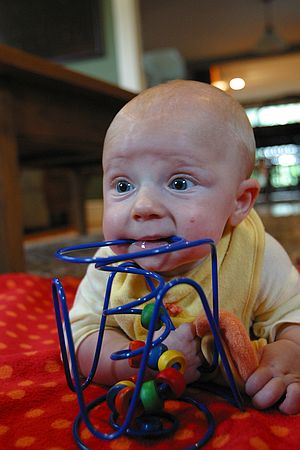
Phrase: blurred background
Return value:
(249, 49)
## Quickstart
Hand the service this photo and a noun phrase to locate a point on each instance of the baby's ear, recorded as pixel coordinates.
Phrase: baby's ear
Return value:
(246, 195)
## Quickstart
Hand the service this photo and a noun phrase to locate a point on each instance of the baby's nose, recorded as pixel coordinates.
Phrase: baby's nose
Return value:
(147, 205)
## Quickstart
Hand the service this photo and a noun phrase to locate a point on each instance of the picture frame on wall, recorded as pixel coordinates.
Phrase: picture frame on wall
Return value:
(54, 29)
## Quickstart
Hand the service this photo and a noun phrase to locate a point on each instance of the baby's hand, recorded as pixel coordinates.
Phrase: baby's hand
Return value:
(278, 375)
(184, 340)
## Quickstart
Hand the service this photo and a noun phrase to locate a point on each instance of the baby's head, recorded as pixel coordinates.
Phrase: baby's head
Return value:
(177, 161)
(186, 104)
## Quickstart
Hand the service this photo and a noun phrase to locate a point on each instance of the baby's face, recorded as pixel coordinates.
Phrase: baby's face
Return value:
(165, 176)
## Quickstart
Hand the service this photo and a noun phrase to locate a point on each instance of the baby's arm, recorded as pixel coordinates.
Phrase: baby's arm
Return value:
(84, 318)
(109, 372)
(278, 319)
(277, 378)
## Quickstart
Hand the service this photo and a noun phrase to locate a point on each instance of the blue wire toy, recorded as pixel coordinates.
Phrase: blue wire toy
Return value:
(137, 406)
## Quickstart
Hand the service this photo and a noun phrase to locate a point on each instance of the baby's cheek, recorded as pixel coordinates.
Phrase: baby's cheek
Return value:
(110, 226)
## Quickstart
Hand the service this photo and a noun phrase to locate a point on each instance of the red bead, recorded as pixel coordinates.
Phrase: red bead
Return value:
(111, 395)
(133, 378)
(135, 361)
(174, 379)
(122, 400)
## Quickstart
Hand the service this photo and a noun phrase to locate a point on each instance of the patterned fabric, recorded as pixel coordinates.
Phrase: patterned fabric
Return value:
(37, 409)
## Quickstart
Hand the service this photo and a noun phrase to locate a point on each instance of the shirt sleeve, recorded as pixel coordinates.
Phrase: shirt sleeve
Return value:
(85, 314)
(278, 300)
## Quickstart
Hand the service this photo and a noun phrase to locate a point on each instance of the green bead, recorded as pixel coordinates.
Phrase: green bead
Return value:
(147, 315)
(150, 397)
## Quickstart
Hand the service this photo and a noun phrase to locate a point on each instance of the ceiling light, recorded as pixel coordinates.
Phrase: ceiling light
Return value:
(270, 41)
(237, 84)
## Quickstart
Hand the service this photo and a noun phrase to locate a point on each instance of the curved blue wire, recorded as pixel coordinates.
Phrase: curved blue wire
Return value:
(176, 243)
(76, 384)
(157, 293)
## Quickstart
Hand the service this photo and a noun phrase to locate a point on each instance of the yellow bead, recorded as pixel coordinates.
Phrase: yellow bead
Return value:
(126, 383)
(171, 358)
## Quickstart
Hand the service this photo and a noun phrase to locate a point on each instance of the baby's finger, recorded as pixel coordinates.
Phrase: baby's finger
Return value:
(258, 380)
(187, 331)
(269, 394)
(291, 404)
(192, 373)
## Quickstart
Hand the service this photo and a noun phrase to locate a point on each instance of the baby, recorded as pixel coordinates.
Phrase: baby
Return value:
(177, 160)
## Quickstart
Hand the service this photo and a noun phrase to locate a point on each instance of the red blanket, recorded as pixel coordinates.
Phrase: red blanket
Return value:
(37, 408)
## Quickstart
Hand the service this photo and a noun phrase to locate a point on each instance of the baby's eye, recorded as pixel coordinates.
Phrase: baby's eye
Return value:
(180, 184)
(124, 186)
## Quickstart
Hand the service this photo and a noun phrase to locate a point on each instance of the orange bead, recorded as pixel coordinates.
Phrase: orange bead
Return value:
(135, 361)
(123, 399)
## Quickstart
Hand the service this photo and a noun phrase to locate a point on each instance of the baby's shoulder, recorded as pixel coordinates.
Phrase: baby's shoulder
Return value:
(277, 265)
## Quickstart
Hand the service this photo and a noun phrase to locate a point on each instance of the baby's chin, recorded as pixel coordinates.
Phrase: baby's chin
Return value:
(162, 265)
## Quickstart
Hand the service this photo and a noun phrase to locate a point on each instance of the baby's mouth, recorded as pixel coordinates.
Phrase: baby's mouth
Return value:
(148, 244)
(152, 243)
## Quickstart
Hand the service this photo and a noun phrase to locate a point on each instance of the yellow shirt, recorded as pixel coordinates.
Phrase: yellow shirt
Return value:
(264, 295)
(240, 255)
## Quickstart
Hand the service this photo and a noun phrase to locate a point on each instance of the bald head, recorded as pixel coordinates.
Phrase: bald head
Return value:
(189, 103)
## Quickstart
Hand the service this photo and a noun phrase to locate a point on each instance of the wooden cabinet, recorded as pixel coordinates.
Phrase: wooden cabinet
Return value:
(49, 117)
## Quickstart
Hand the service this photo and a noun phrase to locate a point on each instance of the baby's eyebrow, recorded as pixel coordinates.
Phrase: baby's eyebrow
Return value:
(191, 166)
(114, 163)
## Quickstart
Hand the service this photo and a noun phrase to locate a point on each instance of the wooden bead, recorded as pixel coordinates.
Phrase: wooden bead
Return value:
(128, 383)
(164, 391)
(135, 361)
(154, 355)
(150, 397)
(111, 395)
(147, 314)
(119, 396)
(122, 400)
(170, 358)
(174, 379)
(133, 378)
